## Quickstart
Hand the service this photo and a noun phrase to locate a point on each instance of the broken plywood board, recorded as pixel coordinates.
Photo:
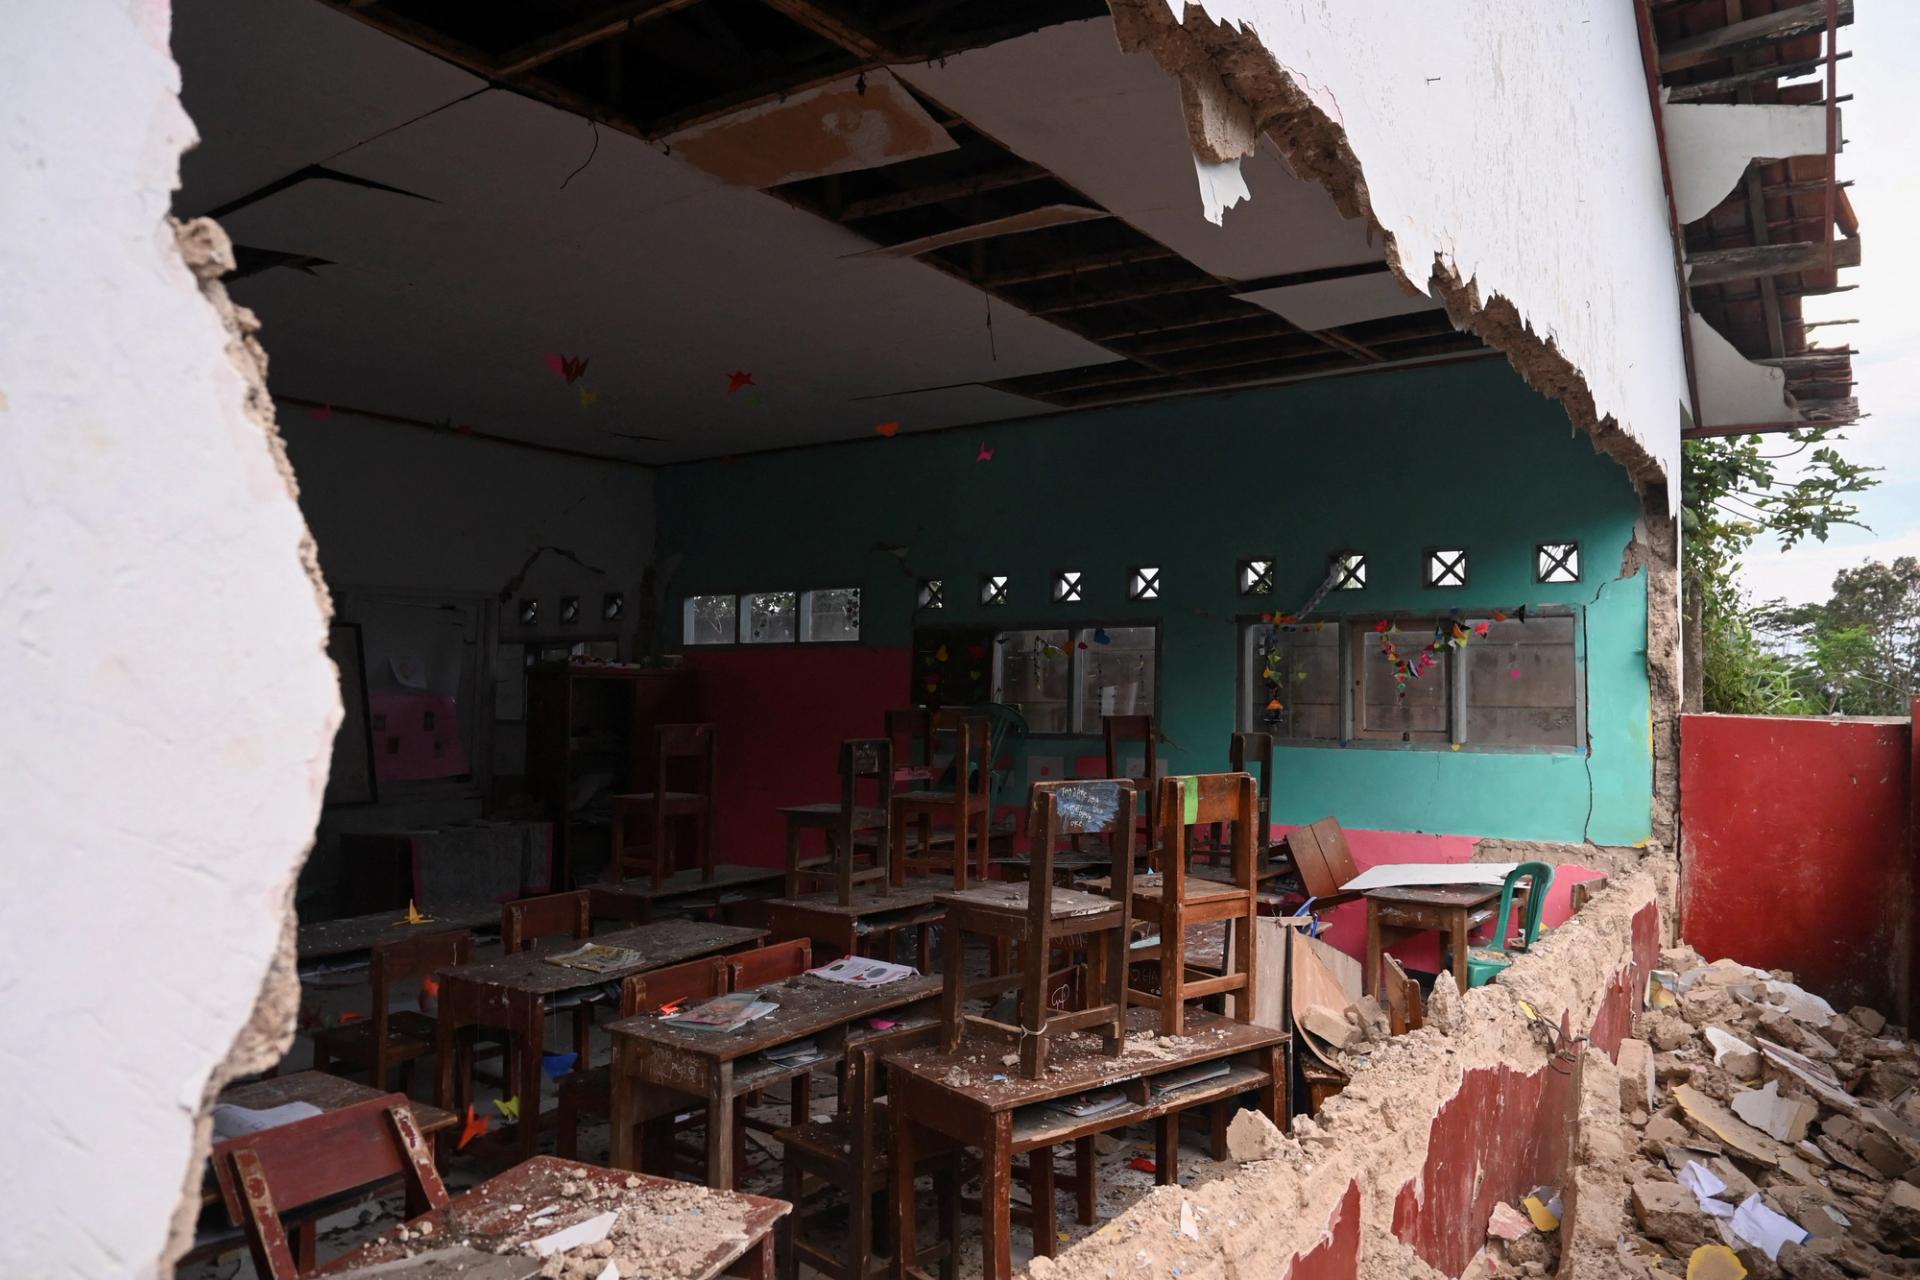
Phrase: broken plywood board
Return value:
(1710, 1117)
(842, 127)
(1272, 944)
(1392, 875)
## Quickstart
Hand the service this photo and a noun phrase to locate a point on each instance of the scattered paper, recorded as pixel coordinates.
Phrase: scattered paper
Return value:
(609, 1272)
(1764, 1229)
(230, 1121)
(592, 1231)
(597, 957)
(1705, 1185)
(860, 971)
(1783, 1118)
(1390, 875)
(1188, 1227)
(1662, 989)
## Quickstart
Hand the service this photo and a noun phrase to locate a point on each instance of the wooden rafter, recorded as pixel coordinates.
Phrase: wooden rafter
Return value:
(1710, 46)
(1712, 266)
(591, 30)
(940, 192)
(1699, 89)
(833, 27)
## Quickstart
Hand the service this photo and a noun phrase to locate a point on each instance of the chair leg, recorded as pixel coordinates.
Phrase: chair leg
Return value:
(791, 1179)
(566, 1132)
(954, 945)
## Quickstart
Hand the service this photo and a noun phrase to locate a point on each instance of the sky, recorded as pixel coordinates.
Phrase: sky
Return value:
(1879, 155)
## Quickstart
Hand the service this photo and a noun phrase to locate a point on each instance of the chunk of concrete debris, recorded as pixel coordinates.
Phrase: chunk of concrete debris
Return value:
(1730, 1051)
(1899, 1214)
(1783, 1118)
(1507, 1222)
(1669, 1213)
(1638, 1090)
(1709, 1117)
(1870, 1020)
(1366, 1014)
(1330, 1026)
(1443, 1008)
(1252, 1136)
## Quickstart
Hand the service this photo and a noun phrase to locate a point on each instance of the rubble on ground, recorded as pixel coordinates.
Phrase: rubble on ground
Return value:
(1766, 1134)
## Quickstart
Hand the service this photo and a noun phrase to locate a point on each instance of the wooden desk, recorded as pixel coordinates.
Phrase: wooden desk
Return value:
(957, 1096)
(667, 1230)
(685, 893)
(825, 817)
(1397, 913)
(345, 943)
(884, 911)
(512, 994)
(654, 1060)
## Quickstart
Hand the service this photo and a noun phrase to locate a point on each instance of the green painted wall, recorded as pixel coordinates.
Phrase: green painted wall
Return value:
(1386, 463)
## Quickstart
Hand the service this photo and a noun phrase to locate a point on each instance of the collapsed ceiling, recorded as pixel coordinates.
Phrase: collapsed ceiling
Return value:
(931, 216)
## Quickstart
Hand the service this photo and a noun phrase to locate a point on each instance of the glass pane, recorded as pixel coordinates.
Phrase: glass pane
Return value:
(1522, 684)
(772, 618)
(712, 619)
(420, 684)
(833, 614)
(1032, 672)
(1411, 711)
(1296, 667)
(1116, 674)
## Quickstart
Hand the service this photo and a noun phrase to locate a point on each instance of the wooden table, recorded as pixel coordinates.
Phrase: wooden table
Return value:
(883, 911)
(966, 1096)
(1395, 914)
(341, 944)
(512, 994)
(685, 892)
(667, 1230)
(655, 1060)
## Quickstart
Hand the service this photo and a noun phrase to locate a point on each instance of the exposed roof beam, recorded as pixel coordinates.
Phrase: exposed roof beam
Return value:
(935, 193)
(1710, 46)
(1811, 357)
(832, 27)
(1054, 268)
(1713, 266)
(1752, 75)
(1158, 289)
(590, 30)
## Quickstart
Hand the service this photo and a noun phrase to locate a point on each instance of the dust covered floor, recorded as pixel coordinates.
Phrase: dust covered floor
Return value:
(1120, 1182)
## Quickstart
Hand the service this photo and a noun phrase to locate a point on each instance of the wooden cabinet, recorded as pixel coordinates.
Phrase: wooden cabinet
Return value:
(589, 736)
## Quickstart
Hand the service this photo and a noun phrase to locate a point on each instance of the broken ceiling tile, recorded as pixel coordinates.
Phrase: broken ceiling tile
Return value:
(1222, 186)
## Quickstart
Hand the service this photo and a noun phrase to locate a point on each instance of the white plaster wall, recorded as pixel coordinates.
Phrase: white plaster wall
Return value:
(166, 707)
(1516, 142)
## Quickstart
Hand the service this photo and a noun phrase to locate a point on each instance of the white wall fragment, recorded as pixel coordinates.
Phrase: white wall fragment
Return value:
(1710, 145)
(1221, 187)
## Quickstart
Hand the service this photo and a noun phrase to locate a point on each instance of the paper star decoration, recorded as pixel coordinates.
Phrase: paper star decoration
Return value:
(568, 369)
(888, 429)
(508, 1107)
(737, 379)
(476, 1128)
(985, 455)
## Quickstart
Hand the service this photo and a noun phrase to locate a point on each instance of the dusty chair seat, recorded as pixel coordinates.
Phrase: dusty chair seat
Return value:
(1011, 897)
(1196, 889)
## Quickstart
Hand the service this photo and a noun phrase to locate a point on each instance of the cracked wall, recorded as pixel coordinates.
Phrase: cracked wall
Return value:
(168, 706)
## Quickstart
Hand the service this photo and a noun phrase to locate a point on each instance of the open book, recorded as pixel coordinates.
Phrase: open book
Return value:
(860, 971)
(596, 957)
(723, 1013)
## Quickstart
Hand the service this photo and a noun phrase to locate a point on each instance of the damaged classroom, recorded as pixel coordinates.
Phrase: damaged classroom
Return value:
(970, 638)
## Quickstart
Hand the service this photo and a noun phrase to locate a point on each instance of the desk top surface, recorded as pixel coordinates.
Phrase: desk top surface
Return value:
(662, 943)
(1434, 895)
(808, 1005)
(355, 934)
(728, 875)
(918, 891)
(666, 1230)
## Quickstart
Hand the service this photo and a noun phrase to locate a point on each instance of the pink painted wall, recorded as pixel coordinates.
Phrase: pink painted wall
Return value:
(1796, 850)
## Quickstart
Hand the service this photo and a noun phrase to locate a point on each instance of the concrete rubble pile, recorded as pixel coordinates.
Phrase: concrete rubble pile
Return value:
(1767, 1133)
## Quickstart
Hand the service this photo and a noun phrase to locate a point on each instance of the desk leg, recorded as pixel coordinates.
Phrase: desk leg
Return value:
(954, 990)
(533, 1040)
(1273, 1094)
(1086, 1179)
(1370, 975)
(1460, 948)
(1040, 1184)
(906, 1230)
(757, 1262)
(1166, 1149)
(793, 858)
(720, 1127)
(996, 1186)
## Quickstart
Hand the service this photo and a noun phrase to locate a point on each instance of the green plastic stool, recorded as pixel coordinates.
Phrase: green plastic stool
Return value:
(1479, 971)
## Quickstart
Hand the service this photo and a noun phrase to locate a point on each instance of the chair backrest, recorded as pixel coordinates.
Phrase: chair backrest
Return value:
(1321, 855)
(865, 760)
(910, 729)
(263, 1175)
(972, 751)
(770, 963)
(1118, 731)
(1207, 799)
(1067, 809)
(624, 909)
(694, 980)
(682, 752)
(866, 1079)
(409, 958)
(1253, 753)
(1007, 731)
(1539, 877)
(557, 915)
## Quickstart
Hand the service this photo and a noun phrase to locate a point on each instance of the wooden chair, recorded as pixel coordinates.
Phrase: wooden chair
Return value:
(281, 1170)
(852, 1151)
(1119, 732)
(861, 822)
(388, 1038)
(910, 731)
(967, 808)
(590, 1091)
(1253, 753)
(1173, 900)
(1036, 915)
(1324, 862)
(679, 750)
(771, 963)
(556, 915)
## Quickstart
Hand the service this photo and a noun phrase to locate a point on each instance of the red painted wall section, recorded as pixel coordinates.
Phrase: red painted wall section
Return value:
(1500, 1136)
(781, 715)
(1338, 1256)
(1627, 992)
(1796, 851)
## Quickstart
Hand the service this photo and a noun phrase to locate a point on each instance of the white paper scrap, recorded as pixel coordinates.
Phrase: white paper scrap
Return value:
(1800, 1004)
(609, 1272)
(1764, 1229)
(1724, 1043)
(1700, 1180)
(1222, 186)
(592, 1231)
(1389, 875)
(230, 1121)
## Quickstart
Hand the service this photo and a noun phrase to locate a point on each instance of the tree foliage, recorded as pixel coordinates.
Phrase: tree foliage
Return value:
(1732, 491)
(1858, 653)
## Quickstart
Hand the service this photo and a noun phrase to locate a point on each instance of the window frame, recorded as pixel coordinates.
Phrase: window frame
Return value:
(802, 602)
(1076, 669)
(1460, 710)
(1541, 554)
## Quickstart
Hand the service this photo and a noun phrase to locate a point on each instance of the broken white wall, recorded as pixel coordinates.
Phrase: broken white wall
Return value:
(167, 705)
(1512, 145)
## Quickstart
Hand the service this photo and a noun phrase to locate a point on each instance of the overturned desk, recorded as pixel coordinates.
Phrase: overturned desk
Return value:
(968, 1097)
(656, 1063)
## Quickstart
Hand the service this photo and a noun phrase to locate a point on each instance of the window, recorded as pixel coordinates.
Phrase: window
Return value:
(822, 615)
(569, 610)
(1066, 586)
(932, 595)
(1556, 562)
(832, 614)
(712, 619)
(1256, 577)
(993, 588)
(1143, 583)
(1350, 571)
(1063, 681)
(1482, 681)
(613, 606)
(1444, 567)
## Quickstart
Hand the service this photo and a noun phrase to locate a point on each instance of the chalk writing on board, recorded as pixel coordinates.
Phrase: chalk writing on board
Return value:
(1086, 806)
